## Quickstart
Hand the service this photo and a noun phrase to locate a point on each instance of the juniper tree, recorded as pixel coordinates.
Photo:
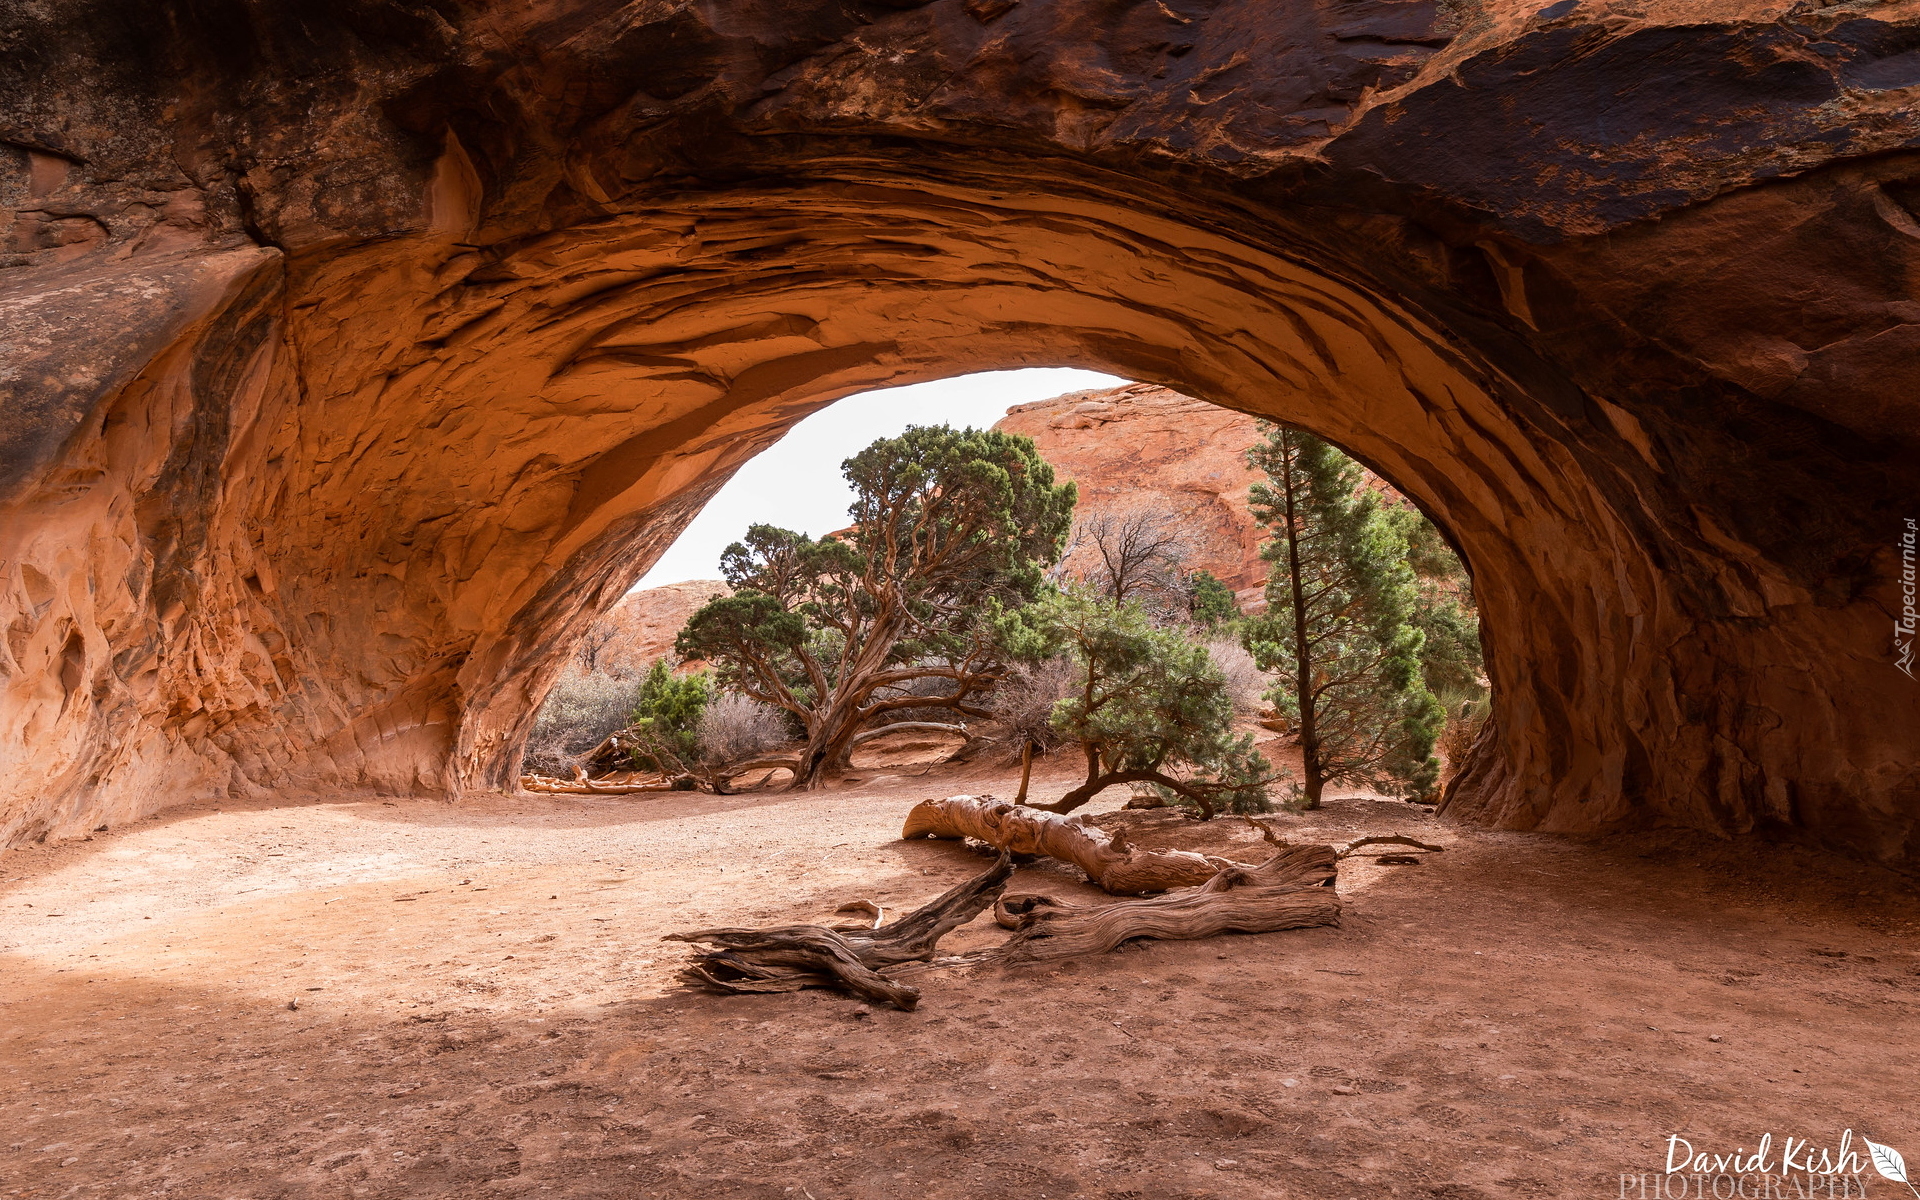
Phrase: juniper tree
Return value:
(1145, 704)
(950, 528)
(1339, 628)
(1210, 603)
(664, 735)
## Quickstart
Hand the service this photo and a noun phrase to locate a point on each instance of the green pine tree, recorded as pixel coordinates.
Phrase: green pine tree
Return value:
(1339, 630)
(1147, 705)
(666, 720)
(1450, 660)
(1210, 603)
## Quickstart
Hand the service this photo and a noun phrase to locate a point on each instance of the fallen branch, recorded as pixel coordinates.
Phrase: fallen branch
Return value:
(1108, 862)
(1346, 849)
(1386, 839)
(587, 787)
(1288, 891)
(867, 735)
(780, 762)
(802, 956)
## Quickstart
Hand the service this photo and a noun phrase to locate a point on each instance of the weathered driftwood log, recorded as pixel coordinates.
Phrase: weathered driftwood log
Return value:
(588, 787)
(800, 956)
(1108, 861)
(1288, 891)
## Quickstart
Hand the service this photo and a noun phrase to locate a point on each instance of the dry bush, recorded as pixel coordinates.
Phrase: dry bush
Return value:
(735, 727)
(1136, 554)
(1463, 726)
(583, 708)
(1247, 684)
(1023, 703)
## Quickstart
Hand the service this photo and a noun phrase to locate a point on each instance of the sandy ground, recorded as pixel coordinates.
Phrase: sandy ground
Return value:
(368, 998)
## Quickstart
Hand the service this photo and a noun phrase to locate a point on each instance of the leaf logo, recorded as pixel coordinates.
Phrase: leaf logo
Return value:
(1888, 1162)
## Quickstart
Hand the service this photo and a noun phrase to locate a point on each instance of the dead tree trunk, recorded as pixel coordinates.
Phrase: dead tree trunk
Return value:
(588, 787)
(1109, 862)
(1288, 891)
(801, 956)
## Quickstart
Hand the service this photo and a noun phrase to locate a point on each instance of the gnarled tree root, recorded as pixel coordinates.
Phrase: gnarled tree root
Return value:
(1288, 891)
(801, 956)
(1109, 862)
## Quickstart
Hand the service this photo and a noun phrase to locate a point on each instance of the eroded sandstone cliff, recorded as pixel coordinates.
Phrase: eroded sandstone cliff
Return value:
(641, 628)
(355, 357)
(1148, 450)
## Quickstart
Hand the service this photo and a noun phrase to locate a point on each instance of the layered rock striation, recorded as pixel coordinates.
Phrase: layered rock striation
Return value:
(355, 357)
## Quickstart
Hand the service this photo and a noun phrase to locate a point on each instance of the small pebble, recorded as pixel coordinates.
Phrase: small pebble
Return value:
(1289, 1083)
(863, 1011)
(1713, 1037)
(293, 1006)
(1342, 1090)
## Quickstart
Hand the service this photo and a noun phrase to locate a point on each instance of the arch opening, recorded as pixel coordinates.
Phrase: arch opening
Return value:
(1164, 485)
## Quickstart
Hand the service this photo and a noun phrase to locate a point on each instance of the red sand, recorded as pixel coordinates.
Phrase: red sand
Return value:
(485, 1009)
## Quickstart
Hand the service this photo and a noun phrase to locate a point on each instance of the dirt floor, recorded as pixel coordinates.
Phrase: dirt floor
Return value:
(378, 998)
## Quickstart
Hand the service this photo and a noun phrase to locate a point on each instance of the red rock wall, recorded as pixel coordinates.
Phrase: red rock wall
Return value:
(641, 629)
(1148, 448)
(356, 359)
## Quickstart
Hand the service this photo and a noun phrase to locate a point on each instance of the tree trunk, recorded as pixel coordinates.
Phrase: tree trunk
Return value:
(1096, 781)
(1302, 654)
(1288, 891)
(809, 771)
(827, 753)
(792, 957)
(1108, 862)
(1026, 771)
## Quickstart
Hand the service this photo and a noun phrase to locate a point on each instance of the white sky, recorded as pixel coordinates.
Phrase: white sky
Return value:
(796, 483)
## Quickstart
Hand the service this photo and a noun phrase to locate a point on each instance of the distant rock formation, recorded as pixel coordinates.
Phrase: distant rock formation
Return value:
(641, 628)
(1146, 447)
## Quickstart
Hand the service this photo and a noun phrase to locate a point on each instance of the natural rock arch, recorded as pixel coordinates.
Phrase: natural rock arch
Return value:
(358, 361)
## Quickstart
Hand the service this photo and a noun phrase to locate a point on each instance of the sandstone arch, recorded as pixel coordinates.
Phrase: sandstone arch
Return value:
(355, 362)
